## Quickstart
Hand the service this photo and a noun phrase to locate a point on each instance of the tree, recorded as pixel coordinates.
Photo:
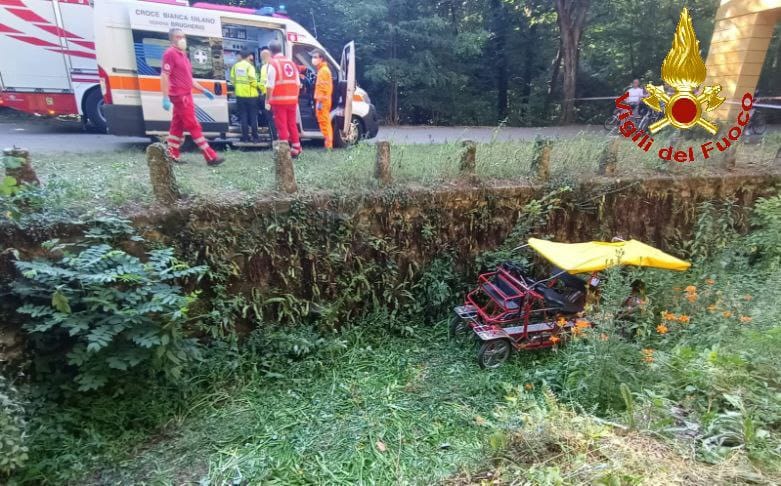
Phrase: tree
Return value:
(571, 20)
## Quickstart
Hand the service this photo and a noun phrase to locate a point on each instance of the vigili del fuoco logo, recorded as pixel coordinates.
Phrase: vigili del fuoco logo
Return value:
(685, 105)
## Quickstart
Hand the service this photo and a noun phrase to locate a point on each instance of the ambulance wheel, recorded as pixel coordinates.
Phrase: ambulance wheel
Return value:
(493, 354)
(458, 326)
(93, 108)
(356, 132)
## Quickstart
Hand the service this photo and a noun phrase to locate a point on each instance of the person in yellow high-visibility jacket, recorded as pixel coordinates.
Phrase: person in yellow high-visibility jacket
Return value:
(245, 84)
(324, 90)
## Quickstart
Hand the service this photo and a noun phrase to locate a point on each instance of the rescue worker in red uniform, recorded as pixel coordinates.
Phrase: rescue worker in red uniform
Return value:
(282, 87)
(324, 90)
(177, 83)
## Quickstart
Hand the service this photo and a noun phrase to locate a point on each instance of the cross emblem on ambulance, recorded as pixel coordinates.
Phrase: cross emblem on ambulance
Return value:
(200, 56)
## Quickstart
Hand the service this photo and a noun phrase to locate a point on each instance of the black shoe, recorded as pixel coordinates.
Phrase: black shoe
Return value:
(216, 161)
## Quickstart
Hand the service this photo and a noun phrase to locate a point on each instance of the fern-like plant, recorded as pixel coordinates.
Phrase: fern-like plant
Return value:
(105, 310)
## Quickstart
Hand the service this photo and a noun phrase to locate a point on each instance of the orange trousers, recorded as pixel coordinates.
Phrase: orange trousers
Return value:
(324, 120)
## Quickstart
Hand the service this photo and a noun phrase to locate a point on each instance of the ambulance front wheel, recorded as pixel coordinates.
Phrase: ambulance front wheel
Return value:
(356, 132)
(93, 109)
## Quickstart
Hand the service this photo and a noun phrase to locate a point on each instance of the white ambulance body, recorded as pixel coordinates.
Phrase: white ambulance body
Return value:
(47, 59)
(131, 37)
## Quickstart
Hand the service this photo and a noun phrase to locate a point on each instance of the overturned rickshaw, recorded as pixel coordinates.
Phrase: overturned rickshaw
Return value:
(508, 310)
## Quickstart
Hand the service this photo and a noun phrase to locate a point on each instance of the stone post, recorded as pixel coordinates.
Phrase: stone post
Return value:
(541, 158)
(729, 158)
(18, 165)
(608, 161)
(286, 178)
(161, 174)
(382, 164)
(468, 160)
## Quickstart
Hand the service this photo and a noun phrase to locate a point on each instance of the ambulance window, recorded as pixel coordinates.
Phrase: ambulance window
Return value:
(205, 54)
(302, 57)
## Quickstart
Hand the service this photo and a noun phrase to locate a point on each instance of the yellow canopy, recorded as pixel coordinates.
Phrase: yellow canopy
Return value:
(599, 255)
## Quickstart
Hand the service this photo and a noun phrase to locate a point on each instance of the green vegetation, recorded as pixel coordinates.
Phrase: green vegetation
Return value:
(485, 62)
(104, 309)
(84, 182)
(689, 381)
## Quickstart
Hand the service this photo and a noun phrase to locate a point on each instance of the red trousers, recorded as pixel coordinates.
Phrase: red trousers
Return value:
(287, 128)
(184, 120)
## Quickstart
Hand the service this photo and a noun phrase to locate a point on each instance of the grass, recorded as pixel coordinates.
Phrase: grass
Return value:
(86, 181)
(383, 410)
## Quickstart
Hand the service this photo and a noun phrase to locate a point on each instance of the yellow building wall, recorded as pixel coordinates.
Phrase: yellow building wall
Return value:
(741, 36)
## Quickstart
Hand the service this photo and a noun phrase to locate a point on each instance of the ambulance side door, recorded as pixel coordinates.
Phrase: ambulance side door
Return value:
(347, 76)
(205, 51)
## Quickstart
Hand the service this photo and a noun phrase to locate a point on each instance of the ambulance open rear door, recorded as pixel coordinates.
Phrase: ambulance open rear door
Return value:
(150, 26)
(349, 131)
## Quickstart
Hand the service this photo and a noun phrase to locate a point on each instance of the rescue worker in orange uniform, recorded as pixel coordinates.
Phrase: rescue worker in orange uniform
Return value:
(282, 87)
(177, 83)
(324, 90)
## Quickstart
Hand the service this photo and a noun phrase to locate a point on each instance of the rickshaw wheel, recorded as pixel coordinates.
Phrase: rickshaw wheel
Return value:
(494, 353)
(457, 326)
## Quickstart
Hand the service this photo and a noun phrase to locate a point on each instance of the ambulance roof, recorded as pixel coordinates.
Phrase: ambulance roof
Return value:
(243, 13)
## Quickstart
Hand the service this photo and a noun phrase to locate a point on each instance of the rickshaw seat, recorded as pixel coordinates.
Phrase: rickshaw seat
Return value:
(495, 293)
(569, 302)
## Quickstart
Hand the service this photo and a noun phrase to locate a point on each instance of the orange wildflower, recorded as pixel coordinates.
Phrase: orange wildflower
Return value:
(727, 314)
(582, 324)
(561, 322)
(683, 318)
(691, 297)
(745, 319)
(528, 387)
(712, 308)
(648, 355)
(710, 281)
(668, 316)
(662, 329)
(691, 289)
(554, 339)
(747, 297)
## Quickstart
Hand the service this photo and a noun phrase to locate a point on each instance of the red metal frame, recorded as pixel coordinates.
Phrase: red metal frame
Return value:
(500, 319)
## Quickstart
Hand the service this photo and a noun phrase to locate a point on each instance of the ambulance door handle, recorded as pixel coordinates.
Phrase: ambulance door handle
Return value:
(218, 88)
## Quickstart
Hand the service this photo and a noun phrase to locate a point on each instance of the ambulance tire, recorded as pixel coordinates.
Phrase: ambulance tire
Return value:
(339, 142)
(93, 108)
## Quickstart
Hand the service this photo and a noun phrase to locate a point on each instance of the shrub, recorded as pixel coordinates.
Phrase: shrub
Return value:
(13, 452)
(104, 311)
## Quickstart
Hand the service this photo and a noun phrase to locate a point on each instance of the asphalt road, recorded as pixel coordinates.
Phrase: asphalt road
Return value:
(56, 136)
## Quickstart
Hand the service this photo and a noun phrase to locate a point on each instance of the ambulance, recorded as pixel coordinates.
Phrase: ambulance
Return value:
(47, 59)
(131, 36)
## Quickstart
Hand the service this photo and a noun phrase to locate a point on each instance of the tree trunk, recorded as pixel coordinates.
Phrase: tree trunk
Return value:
(554, 81)
(528, 66)
(499, 53)
(571, 19)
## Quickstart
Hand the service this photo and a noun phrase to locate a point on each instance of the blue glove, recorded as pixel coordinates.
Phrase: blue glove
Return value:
(319, 106)
(208, 94)
(166, 103)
